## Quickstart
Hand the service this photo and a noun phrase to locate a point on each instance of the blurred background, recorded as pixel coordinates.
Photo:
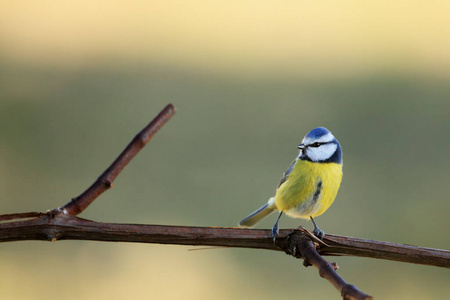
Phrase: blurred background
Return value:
(249, 79)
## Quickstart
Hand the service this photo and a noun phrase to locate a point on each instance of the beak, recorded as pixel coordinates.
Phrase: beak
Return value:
(301, 146)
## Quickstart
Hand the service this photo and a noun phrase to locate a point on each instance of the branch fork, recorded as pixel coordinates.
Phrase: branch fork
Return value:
(301, 245)
(78, 204)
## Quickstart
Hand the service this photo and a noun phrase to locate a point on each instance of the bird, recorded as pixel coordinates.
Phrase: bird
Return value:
(310, 184)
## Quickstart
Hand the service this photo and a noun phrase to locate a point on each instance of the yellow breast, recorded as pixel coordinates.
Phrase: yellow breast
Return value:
(309, 190)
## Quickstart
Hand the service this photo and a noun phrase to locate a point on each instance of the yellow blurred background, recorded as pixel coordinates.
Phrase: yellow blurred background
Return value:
(249, 79)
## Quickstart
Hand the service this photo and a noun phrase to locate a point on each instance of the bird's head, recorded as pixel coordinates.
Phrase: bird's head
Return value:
(319, 145)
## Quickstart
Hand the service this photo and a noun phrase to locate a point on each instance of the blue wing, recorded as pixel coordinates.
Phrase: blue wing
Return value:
(286, 174)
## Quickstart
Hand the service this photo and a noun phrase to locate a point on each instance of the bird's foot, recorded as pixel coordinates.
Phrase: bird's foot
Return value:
(275, 231)
(275, 228)
(317, 232)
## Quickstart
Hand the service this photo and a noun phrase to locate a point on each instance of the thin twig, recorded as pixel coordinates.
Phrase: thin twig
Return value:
(301, 245)
(104, 182)
(32, 214)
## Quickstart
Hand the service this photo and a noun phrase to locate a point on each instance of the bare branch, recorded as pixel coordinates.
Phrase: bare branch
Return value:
(301, 246)
(32, 214)
(343, 245)
(64, 227)
(104, 182)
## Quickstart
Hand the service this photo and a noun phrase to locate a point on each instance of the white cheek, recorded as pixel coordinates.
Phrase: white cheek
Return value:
(321, 153)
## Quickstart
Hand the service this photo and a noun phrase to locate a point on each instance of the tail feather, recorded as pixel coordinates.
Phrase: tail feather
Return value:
(259, 214)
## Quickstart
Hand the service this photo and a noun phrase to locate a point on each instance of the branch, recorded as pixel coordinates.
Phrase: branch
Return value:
(78, 204)
(298, 243)
(66, 227)
(344, 245)
(302, 246)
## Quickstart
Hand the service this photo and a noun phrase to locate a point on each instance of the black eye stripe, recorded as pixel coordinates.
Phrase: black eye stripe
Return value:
(317, 144)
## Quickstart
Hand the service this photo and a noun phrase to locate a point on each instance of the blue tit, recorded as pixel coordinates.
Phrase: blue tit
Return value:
(310, 184)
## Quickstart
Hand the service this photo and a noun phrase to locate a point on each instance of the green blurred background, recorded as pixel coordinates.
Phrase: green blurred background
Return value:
(249, 79)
